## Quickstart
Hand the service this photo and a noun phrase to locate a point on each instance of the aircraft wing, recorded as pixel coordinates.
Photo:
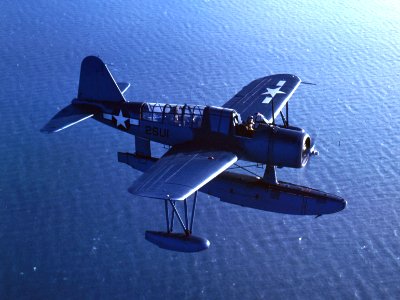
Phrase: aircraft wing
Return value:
(181, 172)
(257, 96)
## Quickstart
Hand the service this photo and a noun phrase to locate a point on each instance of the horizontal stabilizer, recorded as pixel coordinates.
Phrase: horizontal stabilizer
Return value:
(68, 116)
(123, 86)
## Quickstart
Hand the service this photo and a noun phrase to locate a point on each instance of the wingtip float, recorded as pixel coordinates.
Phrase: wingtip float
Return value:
(209, 140)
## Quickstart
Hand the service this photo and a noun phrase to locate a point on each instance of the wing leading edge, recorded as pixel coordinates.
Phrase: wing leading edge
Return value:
(181, 172)
(257, 96)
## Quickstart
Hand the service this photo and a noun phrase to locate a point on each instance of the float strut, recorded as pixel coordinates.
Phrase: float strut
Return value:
(193, 212)
(172, 220)
(166, 216)
(287, 114)
(273, 114)
(179, 218)
(186, 214)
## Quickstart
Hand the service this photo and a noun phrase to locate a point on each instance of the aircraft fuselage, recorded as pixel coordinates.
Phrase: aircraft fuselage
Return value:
(217, 127)
(205, 141)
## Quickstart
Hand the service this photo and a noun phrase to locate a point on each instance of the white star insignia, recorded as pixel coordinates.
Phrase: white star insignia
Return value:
(120, 119)
(272, 92)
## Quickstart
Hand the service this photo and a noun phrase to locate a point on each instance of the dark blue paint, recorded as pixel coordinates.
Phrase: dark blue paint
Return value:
(201, 153)
(64, 194)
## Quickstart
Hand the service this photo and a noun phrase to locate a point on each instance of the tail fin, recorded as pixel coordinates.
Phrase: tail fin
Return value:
(96, 82)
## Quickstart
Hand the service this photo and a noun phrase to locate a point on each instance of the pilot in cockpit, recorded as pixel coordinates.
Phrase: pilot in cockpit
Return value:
(250, 123)
(260, 119)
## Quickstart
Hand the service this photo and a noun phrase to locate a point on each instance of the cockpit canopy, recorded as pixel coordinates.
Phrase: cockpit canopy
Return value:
(216, 119)
(179, 115)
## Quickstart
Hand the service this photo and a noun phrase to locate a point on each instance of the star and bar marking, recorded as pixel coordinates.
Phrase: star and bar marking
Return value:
(273, 91)
(120, 119)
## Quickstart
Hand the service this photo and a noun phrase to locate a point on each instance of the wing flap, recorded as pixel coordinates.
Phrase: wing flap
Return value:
(266, 95)
(181, 172)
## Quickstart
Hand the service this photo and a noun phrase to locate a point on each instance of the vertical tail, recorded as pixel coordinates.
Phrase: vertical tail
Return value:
(96, 82)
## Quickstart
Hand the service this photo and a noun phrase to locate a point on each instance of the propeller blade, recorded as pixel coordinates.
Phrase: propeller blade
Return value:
(313, 150)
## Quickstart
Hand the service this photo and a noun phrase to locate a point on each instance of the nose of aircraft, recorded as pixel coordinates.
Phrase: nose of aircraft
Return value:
(309, 149)
(313, 149)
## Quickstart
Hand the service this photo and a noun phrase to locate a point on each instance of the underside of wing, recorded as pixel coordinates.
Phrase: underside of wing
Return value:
(182, 171)
(266, 95)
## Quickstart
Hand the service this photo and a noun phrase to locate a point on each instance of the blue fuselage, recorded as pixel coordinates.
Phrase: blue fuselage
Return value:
(212, 126)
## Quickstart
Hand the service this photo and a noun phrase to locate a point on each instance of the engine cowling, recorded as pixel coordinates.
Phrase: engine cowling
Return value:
(288, 147)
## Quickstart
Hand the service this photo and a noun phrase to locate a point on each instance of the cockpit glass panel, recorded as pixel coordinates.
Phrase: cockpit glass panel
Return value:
(157, 112)
(146, 112)
(152, 112)
(170, 114)
(178, 115)
(197, 116)
(187, 116)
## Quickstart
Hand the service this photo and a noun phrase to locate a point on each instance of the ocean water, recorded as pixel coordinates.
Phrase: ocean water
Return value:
(70, 230)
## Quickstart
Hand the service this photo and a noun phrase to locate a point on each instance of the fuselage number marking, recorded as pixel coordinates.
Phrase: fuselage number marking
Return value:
(156, 131)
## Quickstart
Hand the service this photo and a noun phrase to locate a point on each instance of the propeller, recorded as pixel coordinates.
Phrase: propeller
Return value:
(313, 149)
(309, 150)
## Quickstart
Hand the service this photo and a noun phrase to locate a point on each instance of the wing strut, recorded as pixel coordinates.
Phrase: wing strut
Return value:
(187, 229)
(287, 114)
(182, 242)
